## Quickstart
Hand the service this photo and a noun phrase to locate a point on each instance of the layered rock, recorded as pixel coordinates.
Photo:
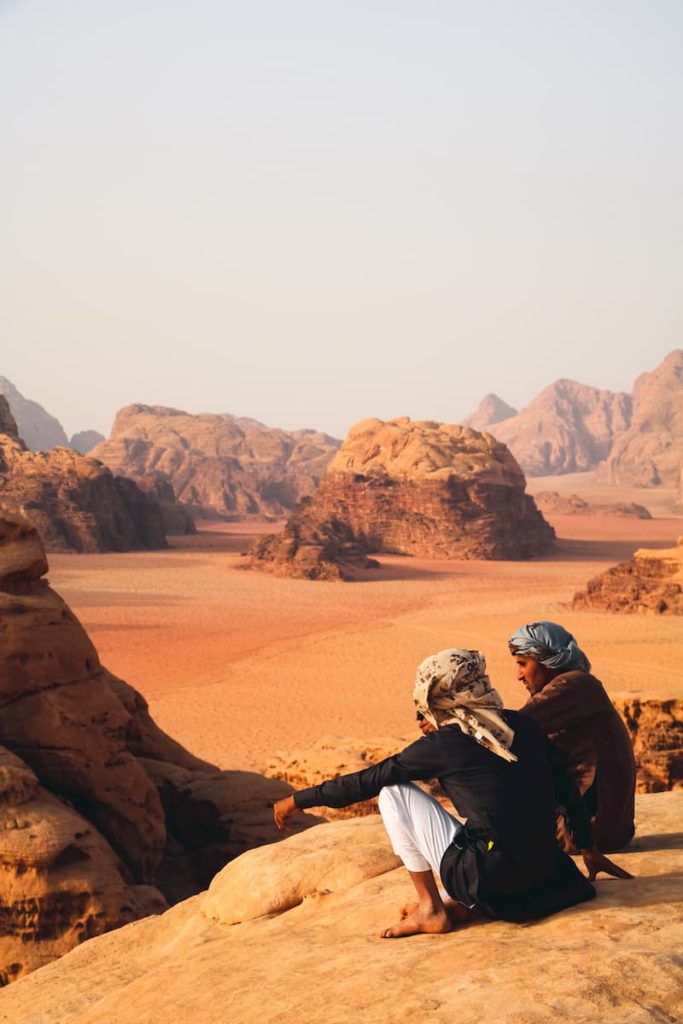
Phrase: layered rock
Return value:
(219, 466)
(428, 489)
(652, 581)
(567, 428)
(75, 502)
(656, 730)
(36, 427)
(650, 452)
(490, 410)
(104, 815)
(85, 440)
(553, 503)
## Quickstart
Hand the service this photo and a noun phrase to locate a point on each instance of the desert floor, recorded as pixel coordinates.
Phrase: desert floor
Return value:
(237, 664)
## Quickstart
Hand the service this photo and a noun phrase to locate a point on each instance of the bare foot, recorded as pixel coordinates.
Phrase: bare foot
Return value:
(408, 909)
(458, 913)
(429, 921)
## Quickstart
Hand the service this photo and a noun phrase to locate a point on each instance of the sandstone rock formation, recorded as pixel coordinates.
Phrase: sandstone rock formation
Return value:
(567, 428)
(428, 489)
(613, 960)
(552, 503)
(85, 440)
(490, 410)
(656, 730)
(652, 581)
(36, 427)
(219, 466)
(101, 811)
(650, 452)
(75, 502)
(8, 424)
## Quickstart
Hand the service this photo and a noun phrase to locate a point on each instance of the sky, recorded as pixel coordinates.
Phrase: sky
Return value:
(315, 211)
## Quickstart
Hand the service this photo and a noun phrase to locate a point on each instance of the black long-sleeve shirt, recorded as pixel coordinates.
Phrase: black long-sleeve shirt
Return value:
(506, 860)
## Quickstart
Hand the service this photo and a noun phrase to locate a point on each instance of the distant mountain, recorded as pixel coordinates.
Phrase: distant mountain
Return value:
(650, 452)
(85, 440)
(219, 465)
(37, 428)
(567, 428)
(491, 409)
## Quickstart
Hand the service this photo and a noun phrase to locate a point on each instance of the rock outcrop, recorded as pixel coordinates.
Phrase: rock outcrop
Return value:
(85, 440)
(105, 817)
(8, 424)
(552, 503)
(324, 960)
(652, 581)
(36, 427)
(567, 428)
(75, 502)
(219, 466)
(490, 410)
(650, 452)
(656, 730)
(428, 489)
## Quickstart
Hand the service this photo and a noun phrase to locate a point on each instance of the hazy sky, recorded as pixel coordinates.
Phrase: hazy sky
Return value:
(311, 212)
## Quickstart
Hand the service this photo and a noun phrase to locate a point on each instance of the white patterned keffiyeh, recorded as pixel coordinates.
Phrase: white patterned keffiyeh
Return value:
(452, 688)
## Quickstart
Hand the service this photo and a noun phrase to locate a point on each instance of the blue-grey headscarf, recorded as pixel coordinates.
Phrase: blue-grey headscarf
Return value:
(550, 644)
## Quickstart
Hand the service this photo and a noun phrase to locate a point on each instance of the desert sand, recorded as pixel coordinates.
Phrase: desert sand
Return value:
(236, 665)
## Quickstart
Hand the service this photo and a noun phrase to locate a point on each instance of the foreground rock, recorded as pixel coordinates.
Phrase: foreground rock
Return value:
(104, 816)
(552, 503)
(219, 466)
(75, 502)
(652, 581)
(569, 427)
(416, 488)
(650, 452)
(324, 961)
(36, 427)
(656, 730)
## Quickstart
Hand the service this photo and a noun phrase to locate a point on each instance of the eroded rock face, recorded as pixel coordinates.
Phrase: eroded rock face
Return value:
(100, 809)
(75, 502)
(550, 502)
(652, 581)
(8, 424)
(427, 489)
(490, 410)
(36, 427)
(85, 440)
(219, 466)
(650, 452)
(569, 427)
(656, 730)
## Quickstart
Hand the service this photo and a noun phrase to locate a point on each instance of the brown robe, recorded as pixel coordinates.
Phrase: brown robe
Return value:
(576, 714)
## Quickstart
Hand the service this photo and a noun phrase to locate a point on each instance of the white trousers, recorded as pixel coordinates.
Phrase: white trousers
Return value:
(419, 828)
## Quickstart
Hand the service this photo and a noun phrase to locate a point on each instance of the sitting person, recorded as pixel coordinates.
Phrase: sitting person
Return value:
(574, 711)
(493, 764)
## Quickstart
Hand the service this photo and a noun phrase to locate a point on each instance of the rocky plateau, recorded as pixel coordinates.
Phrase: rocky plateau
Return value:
(651, 581)
(553, 503)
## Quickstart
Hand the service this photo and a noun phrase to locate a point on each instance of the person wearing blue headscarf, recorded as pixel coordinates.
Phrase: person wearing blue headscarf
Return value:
(573, 709)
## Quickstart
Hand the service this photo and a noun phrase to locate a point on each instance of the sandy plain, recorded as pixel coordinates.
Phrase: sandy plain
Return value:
(237, 664)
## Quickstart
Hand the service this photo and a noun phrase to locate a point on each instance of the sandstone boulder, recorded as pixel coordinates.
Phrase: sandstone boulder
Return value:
(652, 581)
(75, 502)
(99, 807)
(552, 503)
(490, 410)
(219, 465)
(567, 428)
(656, 730)
(36, 427)
(428, 489)
(650, 452)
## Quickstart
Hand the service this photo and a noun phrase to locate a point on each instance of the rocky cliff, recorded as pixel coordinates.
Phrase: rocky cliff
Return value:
(656, 731)
(8, 424)
(652, 581)
(36, 427)
(103, 816)
(419, 488)
(75, 502)
(85, 440)
(490, 410)
(569, 427)
(219, 466)
(650, 452)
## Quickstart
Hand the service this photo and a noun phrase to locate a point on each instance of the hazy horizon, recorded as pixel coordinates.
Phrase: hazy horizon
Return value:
(314, 213)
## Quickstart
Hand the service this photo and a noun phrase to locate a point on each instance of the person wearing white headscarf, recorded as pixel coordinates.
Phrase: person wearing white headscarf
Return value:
(492, 763)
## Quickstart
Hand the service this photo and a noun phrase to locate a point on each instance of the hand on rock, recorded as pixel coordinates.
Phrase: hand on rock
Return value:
(596, 862)
(283, 811)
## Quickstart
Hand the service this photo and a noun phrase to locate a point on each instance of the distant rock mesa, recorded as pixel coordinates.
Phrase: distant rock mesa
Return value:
(416, 488)
(490, 410)
(652, 581)
(552, 503)
(85, 440)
